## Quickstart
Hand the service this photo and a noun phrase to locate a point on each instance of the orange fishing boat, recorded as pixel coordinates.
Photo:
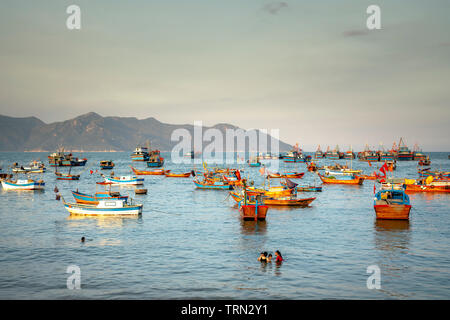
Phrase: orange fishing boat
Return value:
(428, 185)
(292, 175)
(252, 206)
(366, 177)
(281, 202)
(355, 180)
(178, 175)
(273, 191)
(156, 172)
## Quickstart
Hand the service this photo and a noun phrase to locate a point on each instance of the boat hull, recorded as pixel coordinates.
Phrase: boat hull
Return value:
(249, 212)
(411, 188)
(213, 186)
(356, 181)
(157, 164)
(87, 210)
(94, 199)
(392, 211)
(137, 181)
(23, 186)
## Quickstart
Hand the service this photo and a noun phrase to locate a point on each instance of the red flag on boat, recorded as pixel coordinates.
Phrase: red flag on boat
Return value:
(238, 174)
(91, 171)
(374, 189)
(383, 169)
(262, 170)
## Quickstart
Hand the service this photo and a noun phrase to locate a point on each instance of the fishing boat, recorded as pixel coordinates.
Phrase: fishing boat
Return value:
(318, 154)
(62, 159)
(215, 185)
(369, 177)
(312, 167)
(106, 164)
(434, 173)
(156, 172)
(178, 175)
(292, 175)
(33, 167)
(309, 189)
(22, 184)
(254, 162)
(104, 208)
(430, 184)
(404, 154)
(98, 196)
(352, 180)
(296, 155)
(252, 206)
(349, 155)
(425, 162)
(154, 159)
(63, 176)
(392, 203)
(368, 155)
(140, 154)
(418, 154)
(276, 191)
(334, 154)
(124, 180)
(290, 201)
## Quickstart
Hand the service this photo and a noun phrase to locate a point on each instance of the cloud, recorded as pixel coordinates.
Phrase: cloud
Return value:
(274, 7)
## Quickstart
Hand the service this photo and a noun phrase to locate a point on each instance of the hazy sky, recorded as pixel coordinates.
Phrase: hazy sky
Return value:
(310, 68)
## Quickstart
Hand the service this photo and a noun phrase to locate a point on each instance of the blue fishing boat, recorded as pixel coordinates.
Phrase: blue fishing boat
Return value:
(154, 159)
(124, 180)
(391, 202)
(404, 154)
(98, 196)
(207, 184)
(254, 162)
(318, 154)
(140, 154)
(26, 184)
(106, 164)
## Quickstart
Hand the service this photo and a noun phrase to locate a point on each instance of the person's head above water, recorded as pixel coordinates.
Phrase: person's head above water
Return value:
(82, 239)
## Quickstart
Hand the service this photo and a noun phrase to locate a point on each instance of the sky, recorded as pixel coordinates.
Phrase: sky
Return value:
(309, 68)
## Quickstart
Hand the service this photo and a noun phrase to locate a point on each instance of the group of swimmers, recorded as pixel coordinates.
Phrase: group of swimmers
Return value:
(268, 258)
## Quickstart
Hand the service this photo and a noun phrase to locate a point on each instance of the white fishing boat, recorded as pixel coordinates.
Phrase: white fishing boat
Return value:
(33, 167)
(124, 180)
(25, 184)
(104, 208)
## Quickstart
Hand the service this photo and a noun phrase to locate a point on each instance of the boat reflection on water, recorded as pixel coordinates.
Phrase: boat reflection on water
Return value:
(105, 222)
(253, 227)
(391, 235)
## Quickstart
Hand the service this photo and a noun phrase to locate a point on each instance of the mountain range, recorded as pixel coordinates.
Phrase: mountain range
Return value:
(92, 132)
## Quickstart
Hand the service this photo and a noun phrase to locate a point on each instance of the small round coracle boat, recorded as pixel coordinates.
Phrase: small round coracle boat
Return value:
(140, 191)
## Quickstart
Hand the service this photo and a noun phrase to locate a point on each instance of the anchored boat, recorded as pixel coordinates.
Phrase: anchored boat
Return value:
(392, 203)
(156, 172)
(352, 179)
(124, 180)
(98, 196)
(25, 184)
(104, 208)
(106, 164)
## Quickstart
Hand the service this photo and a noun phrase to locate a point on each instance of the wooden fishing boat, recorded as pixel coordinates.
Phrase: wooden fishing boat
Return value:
(62, 159)
(367, 177)
(252, 206)
(95, 198)
(425, 162)
(215, 185)
(354, 180)
(430, 184)
(25, 184)
(140, 191)
(318, 154)
(154, 159)
(292, 175)
(403, 153)
(392, 204)
(140, 154)
(279, 191)
(290, 201)
(178, 175)
(309, 189)
(439, 174)
(106, 164)
(156, 172)
(63, 176)
(104, 208)
(33, 167)
(124, 180)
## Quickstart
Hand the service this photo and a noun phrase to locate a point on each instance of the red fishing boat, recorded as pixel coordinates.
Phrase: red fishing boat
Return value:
(252, 207)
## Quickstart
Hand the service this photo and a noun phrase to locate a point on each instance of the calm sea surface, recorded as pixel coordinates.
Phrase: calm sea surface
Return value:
(191, 243)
